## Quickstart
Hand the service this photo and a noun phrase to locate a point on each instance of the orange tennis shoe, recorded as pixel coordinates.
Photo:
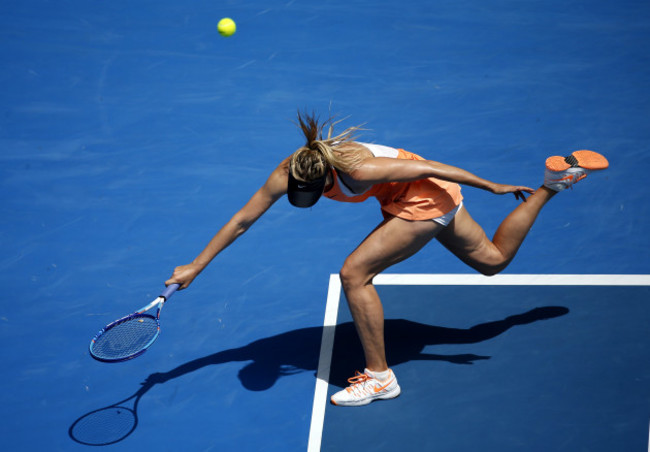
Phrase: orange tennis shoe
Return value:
(562, 172)
(365, 388)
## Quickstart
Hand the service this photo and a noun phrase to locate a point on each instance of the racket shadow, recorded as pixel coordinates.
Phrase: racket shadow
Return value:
(108, 425)
(297, 351)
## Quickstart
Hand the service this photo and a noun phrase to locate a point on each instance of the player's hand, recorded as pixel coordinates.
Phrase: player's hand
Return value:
(518, 190)
(184, 275)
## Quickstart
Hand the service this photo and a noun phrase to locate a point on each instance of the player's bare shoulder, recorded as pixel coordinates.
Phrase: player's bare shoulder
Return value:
(277, 182)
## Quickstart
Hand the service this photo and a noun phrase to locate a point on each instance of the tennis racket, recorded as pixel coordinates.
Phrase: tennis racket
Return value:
(130, 336)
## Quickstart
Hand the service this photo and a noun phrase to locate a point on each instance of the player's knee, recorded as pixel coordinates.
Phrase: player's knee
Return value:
(347, 277)
(351, 275)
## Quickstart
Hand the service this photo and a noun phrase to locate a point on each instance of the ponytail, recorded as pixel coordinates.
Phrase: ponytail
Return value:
(313, 159)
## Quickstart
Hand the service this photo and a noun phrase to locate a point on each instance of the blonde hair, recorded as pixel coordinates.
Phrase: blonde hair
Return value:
(313, 160)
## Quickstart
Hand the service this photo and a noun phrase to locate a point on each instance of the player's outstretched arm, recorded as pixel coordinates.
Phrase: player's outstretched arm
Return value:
(274, 188)
(381, 169)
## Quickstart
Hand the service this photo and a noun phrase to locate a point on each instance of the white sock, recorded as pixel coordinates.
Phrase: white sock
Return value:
(381, 376)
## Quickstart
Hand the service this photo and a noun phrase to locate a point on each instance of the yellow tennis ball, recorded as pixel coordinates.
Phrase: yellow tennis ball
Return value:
(227, 27)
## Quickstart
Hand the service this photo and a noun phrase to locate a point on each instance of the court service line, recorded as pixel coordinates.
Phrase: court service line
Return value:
(324, 364)
(334, 295)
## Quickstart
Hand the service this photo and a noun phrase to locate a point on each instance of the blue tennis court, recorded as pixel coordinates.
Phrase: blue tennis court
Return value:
(131, 132)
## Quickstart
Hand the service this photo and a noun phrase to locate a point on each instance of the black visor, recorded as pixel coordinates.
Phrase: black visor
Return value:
(305, 194)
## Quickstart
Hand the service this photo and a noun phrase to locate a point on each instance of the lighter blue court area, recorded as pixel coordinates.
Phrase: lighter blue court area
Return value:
(130, 132)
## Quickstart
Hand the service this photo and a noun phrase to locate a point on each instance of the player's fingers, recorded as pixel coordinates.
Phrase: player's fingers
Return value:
(175, 279)
(519, 194)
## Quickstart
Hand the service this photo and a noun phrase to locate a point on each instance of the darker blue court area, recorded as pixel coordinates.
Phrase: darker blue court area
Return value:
(503, 368)
(130, 132)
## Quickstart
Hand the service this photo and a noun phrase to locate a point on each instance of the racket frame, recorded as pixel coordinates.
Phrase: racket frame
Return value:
(159, 302)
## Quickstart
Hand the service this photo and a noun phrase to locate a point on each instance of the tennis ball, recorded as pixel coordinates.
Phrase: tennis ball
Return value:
(227, 27)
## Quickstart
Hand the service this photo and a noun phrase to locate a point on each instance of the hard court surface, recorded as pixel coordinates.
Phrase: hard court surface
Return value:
(131, 131)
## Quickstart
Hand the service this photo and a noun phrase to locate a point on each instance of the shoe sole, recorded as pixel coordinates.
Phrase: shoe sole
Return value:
(589, 160)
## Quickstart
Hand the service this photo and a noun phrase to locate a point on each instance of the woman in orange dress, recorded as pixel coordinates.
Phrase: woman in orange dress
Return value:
(420, 200)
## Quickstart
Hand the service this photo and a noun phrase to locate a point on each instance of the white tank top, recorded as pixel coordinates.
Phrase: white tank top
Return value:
(381, 151)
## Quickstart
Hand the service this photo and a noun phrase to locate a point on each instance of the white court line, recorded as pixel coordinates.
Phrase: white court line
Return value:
(332, 307)
(324, 363)
(510, 280)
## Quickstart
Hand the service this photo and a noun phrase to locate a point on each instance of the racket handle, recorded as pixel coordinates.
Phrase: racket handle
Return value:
(169, 291)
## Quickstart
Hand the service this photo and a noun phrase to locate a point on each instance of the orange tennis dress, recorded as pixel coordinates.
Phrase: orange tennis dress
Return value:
(424, 199)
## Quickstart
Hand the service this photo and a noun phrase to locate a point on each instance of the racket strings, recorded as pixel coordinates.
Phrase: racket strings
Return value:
(126, 338)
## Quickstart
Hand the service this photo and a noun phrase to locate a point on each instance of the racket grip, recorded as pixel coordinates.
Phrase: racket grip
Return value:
(169, 291)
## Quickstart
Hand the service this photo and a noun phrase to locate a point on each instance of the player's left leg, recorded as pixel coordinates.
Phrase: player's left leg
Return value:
(391, 242)
(467, 240)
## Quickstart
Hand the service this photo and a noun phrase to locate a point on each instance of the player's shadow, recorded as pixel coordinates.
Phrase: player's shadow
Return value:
(298, 350)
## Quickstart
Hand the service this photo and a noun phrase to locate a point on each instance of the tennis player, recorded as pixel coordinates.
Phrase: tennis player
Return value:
(420, 200)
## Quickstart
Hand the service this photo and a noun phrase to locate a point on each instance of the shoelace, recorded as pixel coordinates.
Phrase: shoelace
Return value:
(358, 383)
